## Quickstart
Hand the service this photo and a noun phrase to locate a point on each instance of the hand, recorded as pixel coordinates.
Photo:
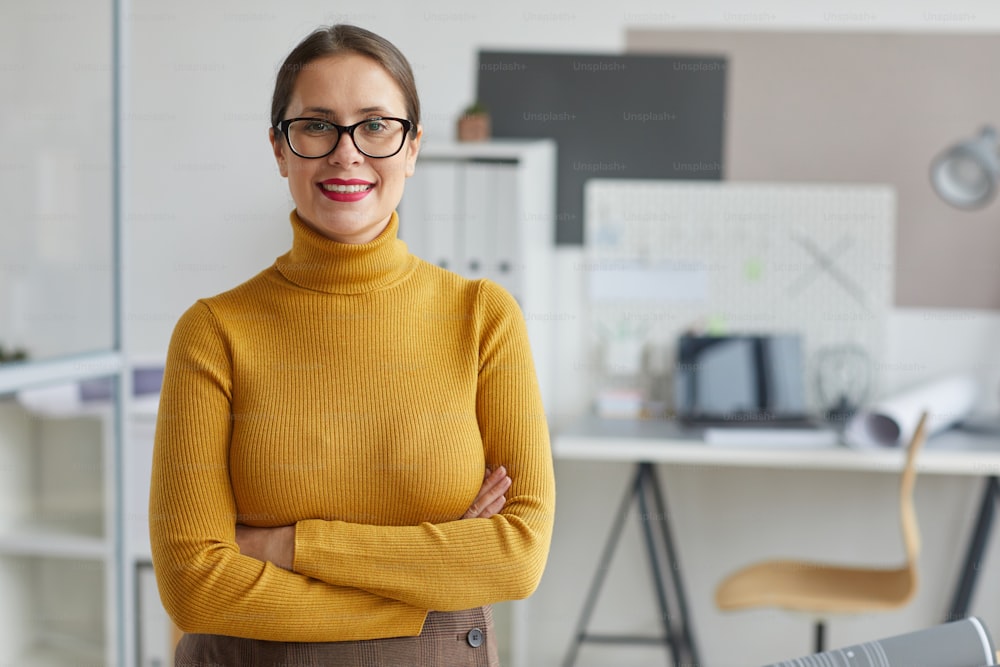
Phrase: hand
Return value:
(490, 499)
(276, 545)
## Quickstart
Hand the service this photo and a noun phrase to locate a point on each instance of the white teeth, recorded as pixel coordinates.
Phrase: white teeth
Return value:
(345, 189)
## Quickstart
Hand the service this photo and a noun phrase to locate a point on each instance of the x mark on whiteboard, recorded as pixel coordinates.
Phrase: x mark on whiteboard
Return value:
(826, 262)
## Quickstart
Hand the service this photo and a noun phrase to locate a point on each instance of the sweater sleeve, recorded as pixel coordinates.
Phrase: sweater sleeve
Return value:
(205, 584)
(464, 563)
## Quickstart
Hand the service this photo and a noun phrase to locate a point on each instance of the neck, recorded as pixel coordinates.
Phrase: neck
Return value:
(357, 237)
(322, 264)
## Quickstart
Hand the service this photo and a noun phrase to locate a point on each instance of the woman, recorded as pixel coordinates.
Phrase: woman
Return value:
(318, 492)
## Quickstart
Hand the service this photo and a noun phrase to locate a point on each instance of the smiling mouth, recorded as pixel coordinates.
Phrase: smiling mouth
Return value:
(346, 189)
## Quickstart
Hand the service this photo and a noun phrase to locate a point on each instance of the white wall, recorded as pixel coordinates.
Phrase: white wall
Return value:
(208, 210)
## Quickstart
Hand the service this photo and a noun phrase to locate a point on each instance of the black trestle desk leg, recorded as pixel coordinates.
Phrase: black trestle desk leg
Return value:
(649, 519)
(974, 555)
(580, 634)
(644, 489)
(690, 649)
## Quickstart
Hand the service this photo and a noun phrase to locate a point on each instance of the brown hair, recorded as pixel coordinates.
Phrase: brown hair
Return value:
(335, 39)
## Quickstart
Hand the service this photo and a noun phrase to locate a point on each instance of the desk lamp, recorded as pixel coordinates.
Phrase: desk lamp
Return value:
(965, 175)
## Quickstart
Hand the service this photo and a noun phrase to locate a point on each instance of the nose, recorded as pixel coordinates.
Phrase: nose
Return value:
(344, 151)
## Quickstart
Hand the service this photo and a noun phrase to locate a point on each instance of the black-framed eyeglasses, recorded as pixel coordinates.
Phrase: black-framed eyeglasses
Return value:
(376, 137)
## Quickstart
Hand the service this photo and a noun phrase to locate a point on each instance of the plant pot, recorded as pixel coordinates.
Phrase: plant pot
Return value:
(475, 127)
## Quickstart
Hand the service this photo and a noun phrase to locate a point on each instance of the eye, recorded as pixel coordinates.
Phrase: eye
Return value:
(375, 126)
(317, 126)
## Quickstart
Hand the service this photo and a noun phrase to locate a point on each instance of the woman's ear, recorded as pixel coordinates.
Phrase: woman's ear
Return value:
(278, 146)
(412, 149)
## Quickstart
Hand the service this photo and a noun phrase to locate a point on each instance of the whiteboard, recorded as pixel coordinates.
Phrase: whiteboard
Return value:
(664, 257)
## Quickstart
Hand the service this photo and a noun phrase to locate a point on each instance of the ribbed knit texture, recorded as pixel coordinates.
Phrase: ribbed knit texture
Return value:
(356, 392)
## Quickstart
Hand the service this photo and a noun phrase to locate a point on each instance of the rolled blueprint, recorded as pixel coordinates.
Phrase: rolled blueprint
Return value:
(891, 422)
(964, 643)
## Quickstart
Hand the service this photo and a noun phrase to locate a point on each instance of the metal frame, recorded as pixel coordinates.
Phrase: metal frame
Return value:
(974, 554)
(677, 637)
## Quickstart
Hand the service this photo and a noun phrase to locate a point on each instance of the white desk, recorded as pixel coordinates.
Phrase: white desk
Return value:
(646, 443)
(663, 441)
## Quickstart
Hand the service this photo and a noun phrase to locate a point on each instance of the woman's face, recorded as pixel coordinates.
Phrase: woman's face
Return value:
(344, 89)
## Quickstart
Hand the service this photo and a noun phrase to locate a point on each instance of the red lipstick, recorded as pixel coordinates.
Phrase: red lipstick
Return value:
(345, 190)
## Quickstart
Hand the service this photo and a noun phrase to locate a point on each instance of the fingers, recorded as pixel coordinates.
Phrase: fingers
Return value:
(481, 511)
(493, 501)
(490, 499)
(492, 479)
(495, 485)
(493, 508)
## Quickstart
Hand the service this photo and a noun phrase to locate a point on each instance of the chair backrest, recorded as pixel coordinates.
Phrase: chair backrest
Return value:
(908, 515)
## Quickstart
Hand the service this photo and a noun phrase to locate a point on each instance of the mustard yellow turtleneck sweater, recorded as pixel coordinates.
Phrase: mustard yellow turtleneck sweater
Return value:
(356, 392)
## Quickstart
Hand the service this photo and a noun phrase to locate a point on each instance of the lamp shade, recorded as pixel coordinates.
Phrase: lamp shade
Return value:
(965, 175)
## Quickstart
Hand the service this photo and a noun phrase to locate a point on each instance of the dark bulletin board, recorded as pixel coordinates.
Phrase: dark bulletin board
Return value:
(612, 116)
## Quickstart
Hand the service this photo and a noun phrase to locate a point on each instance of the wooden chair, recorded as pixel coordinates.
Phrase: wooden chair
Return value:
(821, 589)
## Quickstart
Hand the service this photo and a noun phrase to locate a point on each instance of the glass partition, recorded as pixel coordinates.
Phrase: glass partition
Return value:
(56, 179)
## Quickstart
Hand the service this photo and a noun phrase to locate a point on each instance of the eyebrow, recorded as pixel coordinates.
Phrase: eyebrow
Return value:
(331, 113)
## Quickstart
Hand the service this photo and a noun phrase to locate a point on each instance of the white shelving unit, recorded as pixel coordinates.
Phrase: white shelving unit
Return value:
(59, 529)
(487, 210)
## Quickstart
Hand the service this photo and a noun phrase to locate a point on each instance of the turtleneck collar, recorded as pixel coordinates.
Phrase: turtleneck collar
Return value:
(318, 263)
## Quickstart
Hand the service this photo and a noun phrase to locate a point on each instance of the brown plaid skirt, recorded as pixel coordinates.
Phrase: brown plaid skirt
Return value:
(456, 639)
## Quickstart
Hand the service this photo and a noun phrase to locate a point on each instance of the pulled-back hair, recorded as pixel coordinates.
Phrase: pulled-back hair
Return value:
(336, 39)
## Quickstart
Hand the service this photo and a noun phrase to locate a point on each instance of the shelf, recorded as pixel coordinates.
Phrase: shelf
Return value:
(79, 538)
(18, 375)
(145, 408)
(55, 610)
(140, 552)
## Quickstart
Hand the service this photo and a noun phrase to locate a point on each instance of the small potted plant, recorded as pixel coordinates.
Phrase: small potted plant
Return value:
(474, 123)
(15, 354)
